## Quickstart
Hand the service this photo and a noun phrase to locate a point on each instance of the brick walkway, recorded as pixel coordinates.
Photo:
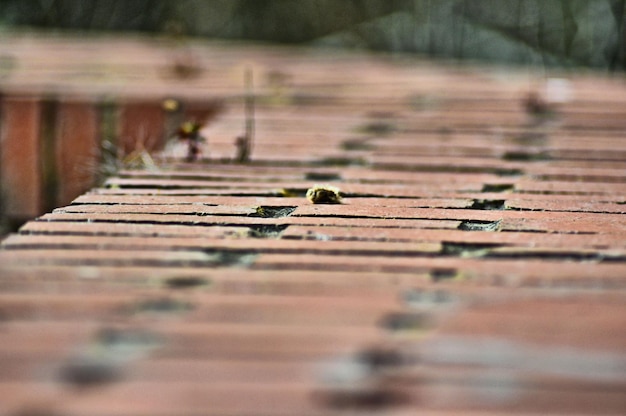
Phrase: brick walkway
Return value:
(476, 264)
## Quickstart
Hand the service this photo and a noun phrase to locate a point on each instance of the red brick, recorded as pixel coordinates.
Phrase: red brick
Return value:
(546, 204)
(132, 229)
(61, 307)
(264, 342)
(236, 242)
(581, 188)
(20, 169)
(518, 238)
(222, 372)
(141, 126)
(77, 149)
(590, 323)
(196, 220)
(200, 209)
(184, 398)
(119, 257)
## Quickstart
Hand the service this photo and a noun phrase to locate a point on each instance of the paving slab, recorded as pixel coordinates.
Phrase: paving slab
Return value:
(475, 265)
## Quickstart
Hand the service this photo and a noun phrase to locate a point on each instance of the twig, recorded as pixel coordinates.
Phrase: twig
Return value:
(244, 143)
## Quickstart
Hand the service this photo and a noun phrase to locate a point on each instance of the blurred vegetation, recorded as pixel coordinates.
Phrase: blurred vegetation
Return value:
(567, 33)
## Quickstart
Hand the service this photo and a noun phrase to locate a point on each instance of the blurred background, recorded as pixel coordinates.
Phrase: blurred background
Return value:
(587, 33)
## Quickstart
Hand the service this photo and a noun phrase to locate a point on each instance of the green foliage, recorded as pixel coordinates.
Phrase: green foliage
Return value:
(536, 32)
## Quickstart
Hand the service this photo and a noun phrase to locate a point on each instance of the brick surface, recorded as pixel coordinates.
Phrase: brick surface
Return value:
(142, 126)
(476, 264)
(77, 149)
(20, 146)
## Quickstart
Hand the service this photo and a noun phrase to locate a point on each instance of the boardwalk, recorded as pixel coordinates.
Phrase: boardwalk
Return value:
(475, 264)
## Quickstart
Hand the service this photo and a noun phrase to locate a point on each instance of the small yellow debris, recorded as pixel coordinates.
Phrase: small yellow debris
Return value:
(324, 194)
(289, 193)
(171, 104)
